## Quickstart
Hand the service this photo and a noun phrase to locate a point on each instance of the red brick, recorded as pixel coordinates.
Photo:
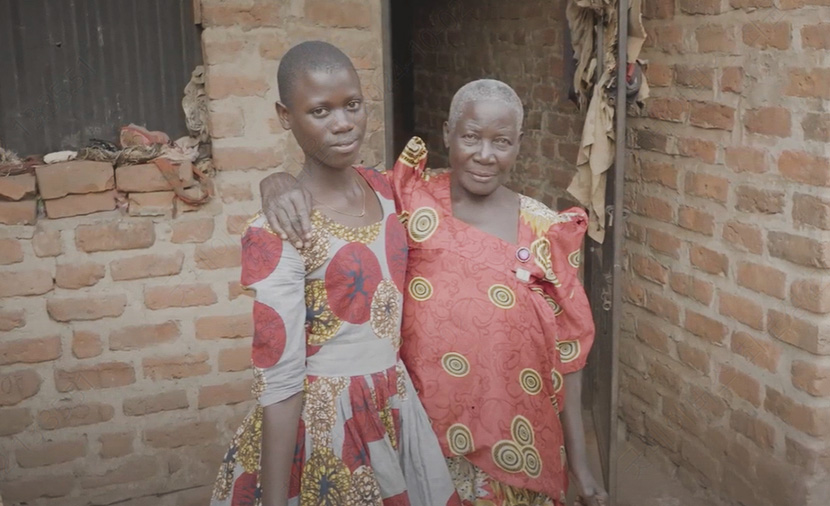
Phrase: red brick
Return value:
(74, 416)
(732, 80)
(707, 468)
(668, 109)
(652, 336)
(635, 232)
(691, 286)
(705, 327)
(25, 491)
(227, 327)
(810, 210)
(812, 378)
(742, 309)
(668, 37)
(696, 220)
(218, 257)
(23, 283)
(10, 251)
(176, 367)
(774, 121)
(743, 159)
(634, 293)
(18, 386)
(86, 308)
(762, 279)
(136, 337)
(77, 205)
(755, 200)
(799, 250)
(115, 235)
(222, 83)
(30, 350)
(814, 421)
(75, 177)
(658, 9)
(346, 14)
(700, 6)
(649, 269)
(156, 403)
(744, 237)
(707, 186)
(693, 357)
(715, 39)
(758, 431)
(694, 77)
(664, 375)
(655, 208)
(708, 260)
(812, 295)
(700, 149)
(661, 173)
(235, 359)
(743, 385)
(146, 266)
(50, 453)
(86, 344)
(237, 223)
(184, 295)
(235, 192)
(116, 445)
(235, 290)
(148, 178)
(664, 243)
(710, 115)
(782, 483)
(228, 393)
(816, 127)
(135, 469)
(652, 141)
(813, 83)
(78, 275)
(242, 14)
(707, 402)
(658, 75)
(767, 35)
(192, 231)
(661, 434)
(47, 243)
(808, 456)
(226, 123)
(243, 158)
(151, 204)
(14, 421)
(683, 414)
(761, 353)
(12, 319)
(185, 434)
(17, 187)
(23, 212)
(797, 332)
(749, 4)
(105, 375)
(816, 36)
(663, 307)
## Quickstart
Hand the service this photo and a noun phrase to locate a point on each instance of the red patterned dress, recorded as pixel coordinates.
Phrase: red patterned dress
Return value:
(489, 330)
(327, 323)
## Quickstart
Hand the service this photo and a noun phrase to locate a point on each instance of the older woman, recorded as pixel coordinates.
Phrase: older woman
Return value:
(497, 326)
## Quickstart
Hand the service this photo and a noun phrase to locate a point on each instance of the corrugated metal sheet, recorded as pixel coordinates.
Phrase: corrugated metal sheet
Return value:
(75, 69)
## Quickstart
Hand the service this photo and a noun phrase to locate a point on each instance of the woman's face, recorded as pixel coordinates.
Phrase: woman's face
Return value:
(483, 146)
(327, 116)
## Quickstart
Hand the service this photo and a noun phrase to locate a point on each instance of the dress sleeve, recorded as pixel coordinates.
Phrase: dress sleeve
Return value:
(409, 168)
(275, 270)
(575, 323)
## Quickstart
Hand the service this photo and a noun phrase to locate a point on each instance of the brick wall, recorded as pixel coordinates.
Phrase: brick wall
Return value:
(125, 342)
(726, 343)
(521, 44)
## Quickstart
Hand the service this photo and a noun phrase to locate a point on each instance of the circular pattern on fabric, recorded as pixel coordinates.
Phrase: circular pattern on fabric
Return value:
(365, 488)
(455, 364)
(541, 256)
(533, 461)
(397, 251)
(324, 324)
(460, 439)
(351, 280)
(420, 289)
(522, 431)
(269, 336)
(502, 296)
(325, 479)
(568, 350)
(531, 381)
(386, 312)
(508, 456)
(575, 259)
(262, 251)
(245, 488)
(422, 224)
(558, 380)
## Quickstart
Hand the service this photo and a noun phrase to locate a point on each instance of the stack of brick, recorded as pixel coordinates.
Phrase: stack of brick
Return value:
(76, 188)
(148, 191)
(18, 202)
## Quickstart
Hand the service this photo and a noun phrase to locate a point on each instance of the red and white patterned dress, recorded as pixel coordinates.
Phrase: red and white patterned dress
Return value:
(327, 323)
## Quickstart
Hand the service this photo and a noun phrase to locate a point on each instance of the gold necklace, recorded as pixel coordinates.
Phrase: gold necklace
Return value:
(363, 197)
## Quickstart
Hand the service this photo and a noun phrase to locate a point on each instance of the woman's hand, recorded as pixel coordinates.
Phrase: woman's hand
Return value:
(287, 206)
(589, 491)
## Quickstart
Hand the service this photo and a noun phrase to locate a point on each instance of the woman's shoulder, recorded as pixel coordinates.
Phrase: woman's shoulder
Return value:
(542, 219)
(258, 223)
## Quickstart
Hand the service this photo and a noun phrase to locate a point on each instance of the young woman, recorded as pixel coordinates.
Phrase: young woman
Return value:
(338, 421)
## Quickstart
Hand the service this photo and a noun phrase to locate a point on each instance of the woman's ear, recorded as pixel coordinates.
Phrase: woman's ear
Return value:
(283, 115)
(446, 135)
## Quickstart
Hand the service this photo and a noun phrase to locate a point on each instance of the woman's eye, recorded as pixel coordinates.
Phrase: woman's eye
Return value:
(319, 112)
(469, 137)
(502, 141)
(353, 105)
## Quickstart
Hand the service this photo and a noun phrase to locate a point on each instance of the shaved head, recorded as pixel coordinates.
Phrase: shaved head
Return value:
(485, 89)
(305, 57)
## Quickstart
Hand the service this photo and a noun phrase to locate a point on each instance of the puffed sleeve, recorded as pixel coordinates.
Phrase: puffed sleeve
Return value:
(409, 168)
(275, 270)
(574, 321)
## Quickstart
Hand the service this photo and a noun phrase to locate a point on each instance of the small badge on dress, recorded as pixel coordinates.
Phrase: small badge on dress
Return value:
(523, 254)
(523, 275)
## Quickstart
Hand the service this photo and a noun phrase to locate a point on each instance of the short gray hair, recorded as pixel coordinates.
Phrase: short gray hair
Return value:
(484, 89)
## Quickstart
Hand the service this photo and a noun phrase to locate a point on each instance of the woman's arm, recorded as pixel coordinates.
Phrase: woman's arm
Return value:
(279, 429)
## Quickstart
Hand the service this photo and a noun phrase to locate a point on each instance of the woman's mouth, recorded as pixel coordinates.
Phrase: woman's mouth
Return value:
(480, 177)
(345, 147)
